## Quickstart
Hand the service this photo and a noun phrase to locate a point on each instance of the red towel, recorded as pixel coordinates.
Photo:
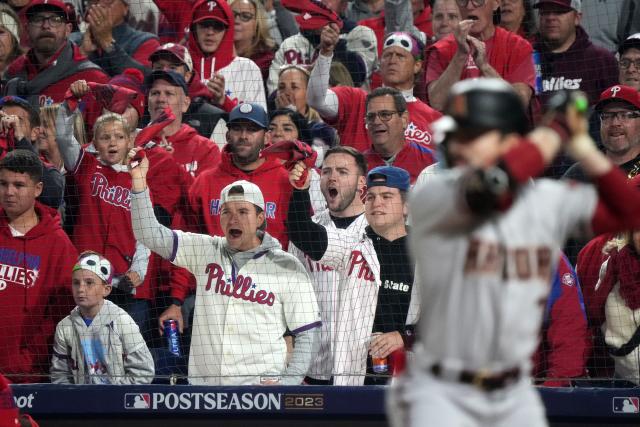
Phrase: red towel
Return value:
(153, 129)
(111, 97)
(291, 152)
(313, 15)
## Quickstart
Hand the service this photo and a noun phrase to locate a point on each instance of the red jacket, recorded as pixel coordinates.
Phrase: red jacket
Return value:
(192, 151)
(413, 158)
(565, 340)
(35, 285)
(27, 66)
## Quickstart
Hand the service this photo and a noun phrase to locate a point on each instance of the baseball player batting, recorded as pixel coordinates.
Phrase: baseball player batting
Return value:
(486, 239)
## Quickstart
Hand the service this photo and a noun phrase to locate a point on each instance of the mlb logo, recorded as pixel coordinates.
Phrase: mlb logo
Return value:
(626, 405)
(137, 401)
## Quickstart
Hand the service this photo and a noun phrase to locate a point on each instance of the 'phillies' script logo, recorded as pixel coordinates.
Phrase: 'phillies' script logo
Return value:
(414, 133)
(114, 195)
(359, 266)
(243, 288)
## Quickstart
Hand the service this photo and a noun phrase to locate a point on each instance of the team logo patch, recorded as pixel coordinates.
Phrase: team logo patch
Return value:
(626, 405)
(137, 401)
(567, 279)
(246, 108)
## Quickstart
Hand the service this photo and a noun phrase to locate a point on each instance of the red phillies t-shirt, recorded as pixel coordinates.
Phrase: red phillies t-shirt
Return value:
(350, 119)
(413, 158)
(509, 54)
(270, 177)
(103, 222)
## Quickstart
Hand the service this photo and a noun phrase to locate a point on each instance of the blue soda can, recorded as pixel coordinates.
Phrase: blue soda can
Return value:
(537, 65)
(172, 334)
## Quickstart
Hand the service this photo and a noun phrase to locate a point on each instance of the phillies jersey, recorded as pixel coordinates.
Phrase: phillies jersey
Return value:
(413, 158)
(103, 223)
(192, 151)
(328, 283)
(350, 119)
(241, 315)
(270, 177)
(484, 281)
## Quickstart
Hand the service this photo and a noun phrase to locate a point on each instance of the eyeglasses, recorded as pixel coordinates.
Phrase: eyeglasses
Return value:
(244, 16)
(476, 3)
(53, 20)
(620, 115)
(626, 63)
(383, 115)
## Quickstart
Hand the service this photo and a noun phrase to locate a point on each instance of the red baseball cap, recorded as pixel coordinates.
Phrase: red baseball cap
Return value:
(204, 10)
(46, 5)
(619, 93)
(178, 51)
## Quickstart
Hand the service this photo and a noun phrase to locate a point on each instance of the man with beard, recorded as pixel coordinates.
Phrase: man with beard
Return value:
(342, 182)
(374, 293)
(240, 159)
(45, 72)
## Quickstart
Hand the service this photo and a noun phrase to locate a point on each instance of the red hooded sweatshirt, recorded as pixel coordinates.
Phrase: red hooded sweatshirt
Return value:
(224, 54)
(192, 151)
(271, 177)
(35, 294)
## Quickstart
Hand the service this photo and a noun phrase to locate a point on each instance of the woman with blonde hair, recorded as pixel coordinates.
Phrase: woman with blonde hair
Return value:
(251, 33)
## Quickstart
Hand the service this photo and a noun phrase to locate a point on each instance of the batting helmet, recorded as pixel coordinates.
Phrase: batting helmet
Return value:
(485, 104)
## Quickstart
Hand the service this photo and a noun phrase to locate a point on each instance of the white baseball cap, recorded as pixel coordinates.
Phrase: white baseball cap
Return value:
(248, 192)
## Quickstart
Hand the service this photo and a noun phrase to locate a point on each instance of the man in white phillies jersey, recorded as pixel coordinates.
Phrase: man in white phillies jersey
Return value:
(486, 240)
(342, 182)
(375, 294)
(248, 290)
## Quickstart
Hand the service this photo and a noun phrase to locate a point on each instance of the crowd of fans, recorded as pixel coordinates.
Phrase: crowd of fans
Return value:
(224, 98)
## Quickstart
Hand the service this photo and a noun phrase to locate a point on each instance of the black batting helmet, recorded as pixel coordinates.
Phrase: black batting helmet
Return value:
(485, 104)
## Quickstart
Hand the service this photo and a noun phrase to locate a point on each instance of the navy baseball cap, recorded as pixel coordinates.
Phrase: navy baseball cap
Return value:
(16, 100)
(172, 77)
(388, 176)
(249, 111)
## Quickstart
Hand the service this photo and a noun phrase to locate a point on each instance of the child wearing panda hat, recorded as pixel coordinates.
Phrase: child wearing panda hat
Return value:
(98, 343)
